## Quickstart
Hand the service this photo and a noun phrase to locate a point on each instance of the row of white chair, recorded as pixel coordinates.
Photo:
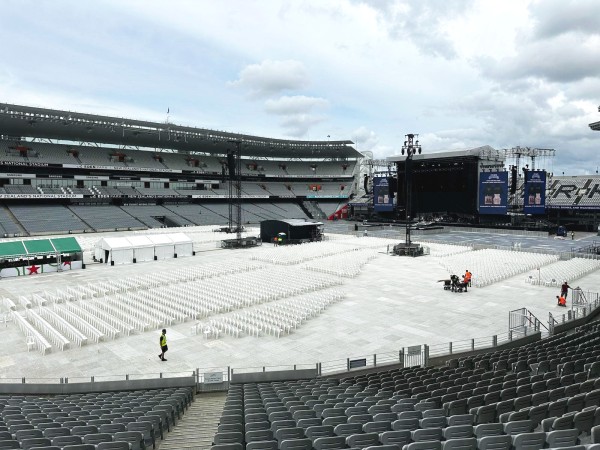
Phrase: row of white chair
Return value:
(347, 265)
(274, 318)
(123, 326)
(80, 323)
(48, 330)
(103, 327)
(62, 326)
(39, 341)
(555, 274)
(490, 265)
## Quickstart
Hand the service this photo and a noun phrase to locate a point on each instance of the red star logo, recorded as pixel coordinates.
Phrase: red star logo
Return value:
(33, 269)
(67, 263)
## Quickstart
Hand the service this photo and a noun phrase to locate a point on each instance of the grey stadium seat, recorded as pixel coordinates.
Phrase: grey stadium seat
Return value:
(329, 442)
(114, 445)
(499, 442)
(460, 444)
(262, 445)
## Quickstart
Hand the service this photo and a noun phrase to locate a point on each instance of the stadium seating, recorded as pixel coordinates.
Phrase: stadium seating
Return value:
(41, 219)
(69, 421)
(544, 394)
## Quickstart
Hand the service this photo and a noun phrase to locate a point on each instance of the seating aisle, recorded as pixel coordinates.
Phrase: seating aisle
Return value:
(198, 426)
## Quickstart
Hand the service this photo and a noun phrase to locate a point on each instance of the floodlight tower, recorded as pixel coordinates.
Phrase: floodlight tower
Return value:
(235, 188)
(410, 147)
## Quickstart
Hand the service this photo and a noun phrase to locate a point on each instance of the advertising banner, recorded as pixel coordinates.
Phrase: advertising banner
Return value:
(383, 201)
(493, 192)
(534, 193)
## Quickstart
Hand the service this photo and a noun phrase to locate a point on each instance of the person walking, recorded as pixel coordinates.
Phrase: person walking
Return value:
(163, 345)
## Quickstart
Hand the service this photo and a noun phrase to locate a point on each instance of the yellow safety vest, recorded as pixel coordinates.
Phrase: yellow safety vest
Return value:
(163, 340)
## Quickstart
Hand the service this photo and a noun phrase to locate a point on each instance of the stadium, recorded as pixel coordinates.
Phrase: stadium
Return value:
(114, 228)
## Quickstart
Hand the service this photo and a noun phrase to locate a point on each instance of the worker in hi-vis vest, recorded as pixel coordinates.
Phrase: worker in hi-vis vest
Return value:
(163, 345)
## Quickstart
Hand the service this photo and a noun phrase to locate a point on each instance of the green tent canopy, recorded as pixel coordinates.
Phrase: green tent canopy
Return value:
(37, 247)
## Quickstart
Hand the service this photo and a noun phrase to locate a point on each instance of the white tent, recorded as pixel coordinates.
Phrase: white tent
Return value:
(183, 244)
(143, 248)
(114, 250)
(164, 248)
(139, 248)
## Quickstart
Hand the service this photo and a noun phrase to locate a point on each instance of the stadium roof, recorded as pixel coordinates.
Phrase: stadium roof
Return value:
(25, 121)
(484, 152)
(595, 126)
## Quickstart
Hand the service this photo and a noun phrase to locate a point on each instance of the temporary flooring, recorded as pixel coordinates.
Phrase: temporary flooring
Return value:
(395, 302)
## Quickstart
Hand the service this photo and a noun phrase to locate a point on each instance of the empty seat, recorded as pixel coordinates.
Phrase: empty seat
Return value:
(562, 438)
(427, 434)
(529, 441)
(458, 432)
(61, 441)
(296, 444)
(262, 445)
(424, 445)
(518, 427)
(362, 440)
(460, 444)
(135, 438)
(115, 445)
(329, 442)
(500, 442)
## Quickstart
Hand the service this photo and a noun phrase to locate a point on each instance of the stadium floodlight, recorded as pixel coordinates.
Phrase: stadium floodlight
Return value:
(410, 146)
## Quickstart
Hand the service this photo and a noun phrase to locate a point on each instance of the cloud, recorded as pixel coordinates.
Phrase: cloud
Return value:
(272, 77)
(365, 139)
(557, 17)
(421, 22)
(297, 112)
(562, 59)
(297, 104)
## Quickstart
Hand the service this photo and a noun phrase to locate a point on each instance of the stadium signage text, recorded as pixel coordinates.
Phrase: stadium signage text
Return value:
(17, 175)
(162, 180)
(307, 176)
(326, 196)
(129, 168)
(19, 163)
(226, 196)
(91, 177)
(41, 196)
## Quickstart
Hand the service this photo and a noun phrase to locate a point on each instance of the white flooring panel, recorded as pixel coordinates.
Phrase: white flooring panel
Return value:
(395, 302)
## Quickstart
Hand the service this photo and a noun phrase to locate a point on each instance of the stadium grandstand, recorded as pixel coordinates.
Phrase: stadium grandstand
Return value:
(334, 344)
(107, 173)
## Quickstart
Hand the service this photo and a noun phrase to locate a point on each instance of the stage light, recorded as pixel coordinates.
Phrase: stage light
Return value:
(419, 149)
(403, 151)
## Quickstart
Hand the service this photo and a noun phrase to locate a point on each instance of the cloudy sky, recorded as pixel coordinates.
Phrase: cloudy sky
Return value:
(461, 73)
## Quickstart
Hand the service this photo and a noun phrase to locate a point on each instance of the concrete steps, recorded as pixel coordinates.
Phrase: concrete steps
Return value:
(195, 431)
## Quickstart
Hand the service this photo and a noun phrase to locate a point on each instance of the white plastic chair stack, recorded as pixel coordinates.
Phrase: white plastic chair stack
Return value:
(490, 266)
(555, 274)
(347, 265)
(64, 327)
(41, 343)
(9, 304)
(79, 323)
(38, 300)
(103, 327)
(24, 301)
(54, 335)
(122, 325)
